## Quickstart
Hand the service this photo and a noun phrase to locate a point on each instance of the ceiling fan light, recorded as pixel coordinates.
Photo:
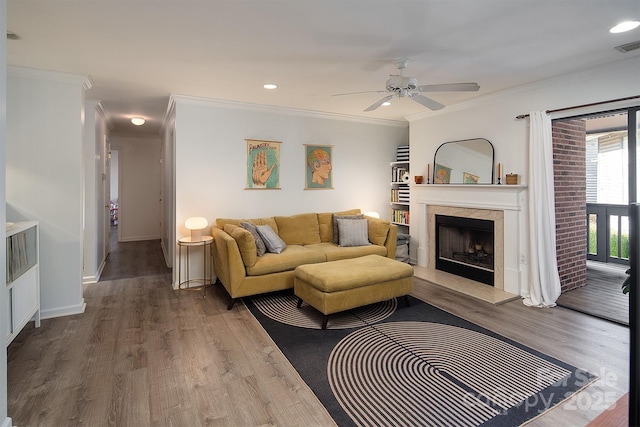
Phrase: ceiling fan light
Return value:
(625, 26)
(386, 104)
(138, 121)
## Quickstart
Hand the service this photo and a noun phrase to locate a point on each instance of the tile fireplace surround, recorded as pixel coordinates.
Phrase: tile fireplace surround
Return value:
(505, 205)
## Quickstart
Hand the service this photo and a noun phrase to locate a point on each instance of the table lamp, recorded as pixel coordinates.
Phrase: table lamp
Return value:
(196, 224)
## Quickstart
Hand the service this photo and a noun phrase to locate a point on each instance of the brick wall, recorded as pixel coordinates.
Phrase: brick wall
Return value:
(569, 171)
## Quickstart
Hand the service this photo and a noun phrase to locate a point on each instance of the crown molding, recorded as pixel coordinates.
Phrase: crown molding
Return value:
(177, 98)
(55, 76)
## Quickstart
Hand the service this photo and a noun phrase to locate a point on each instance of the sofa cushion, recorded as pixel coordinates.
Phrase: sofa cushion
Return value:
(221, 222)
(325, 223)
(291, 257)
(272, 241)
(353, 232)
(334, 252)
(336, 231)
(251, 228)
(378, 230)
(299, 229)
(246, 243)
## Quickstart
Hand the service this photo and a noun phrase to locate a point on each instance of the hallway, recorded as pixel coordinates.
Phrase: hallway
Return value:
(133, 259)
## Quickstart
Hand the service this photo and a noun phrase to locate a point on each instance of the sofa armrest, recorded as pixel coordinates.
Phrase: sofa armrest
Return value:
(227, 261)
(391, 242)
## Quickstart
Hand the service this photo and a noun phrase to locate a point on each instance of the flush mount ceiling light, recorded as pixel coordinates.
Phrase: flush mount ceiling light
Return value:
(138, 121)
(625, 26)
(270, 86)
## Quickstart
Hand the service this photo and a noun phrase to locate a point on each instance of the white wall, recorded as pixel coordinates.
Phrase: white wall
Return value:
(114, 175)
(210, 161)
(95, 134)
(140, 180)
(4, 420)
(493, 117)
(167, 189)
(44, 170)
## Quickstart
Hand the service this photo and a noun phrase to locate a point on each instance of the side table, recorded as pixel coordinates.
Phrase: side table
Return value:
(188, 243)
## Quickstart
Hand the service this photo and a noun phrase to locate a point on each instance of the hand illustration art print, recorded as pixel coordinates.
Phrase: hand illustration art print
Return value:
(263, 158)
(260, 172)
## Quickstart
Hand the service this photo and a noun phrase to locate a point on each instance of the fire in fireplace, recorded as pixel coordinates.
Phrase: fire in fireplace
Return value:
(464, 246)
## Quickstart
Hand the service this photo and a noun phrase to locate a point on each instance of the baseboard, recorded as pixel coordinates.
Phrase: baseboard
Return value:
(167, 258)
(64, 311)
(96, 278)
(139, 238)
(7, 422)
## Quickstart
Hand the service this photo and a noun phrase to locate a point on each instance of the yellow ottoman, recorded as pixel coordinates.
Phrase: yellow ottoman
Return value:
(331, 287)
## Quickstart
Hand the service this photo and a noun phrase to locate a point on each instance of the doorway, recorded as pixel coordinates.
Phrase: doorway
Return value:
(114, 204)
(606, 205)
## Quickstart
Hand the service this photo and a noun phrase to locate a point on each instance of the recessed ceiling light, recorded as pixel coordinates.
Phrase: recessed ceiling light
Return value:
(625, 26)
(386, 104)
(138, 121)
(270, 86)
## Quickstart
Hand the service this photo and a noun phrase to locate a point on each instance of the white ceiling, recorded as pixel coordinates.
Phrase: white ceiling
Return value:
(138, 52)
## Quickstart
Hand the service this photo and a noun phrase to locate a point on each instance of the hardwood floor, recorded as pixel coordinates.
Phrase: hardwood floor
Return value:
(139, 356)
(602, 295)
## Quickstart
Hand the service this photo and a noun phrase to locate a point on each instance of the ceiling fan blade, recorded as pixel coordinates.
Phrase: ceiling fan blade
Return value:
(450, 87)
(427, 102)
(379, 103)
(357, 93)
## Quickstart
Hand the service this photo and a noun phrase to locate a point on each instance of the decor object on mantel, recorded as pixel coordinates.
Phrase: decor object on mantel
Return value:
(512, 179)
(471, 157)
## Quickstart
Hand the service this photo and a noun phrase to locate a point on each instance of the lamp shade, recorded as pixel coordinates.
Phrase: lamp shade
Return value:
(196, 224)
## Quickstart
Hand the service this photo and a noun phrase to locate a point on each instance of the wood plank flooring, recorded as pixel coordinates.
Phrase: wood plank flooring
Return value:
(602, 295)
(139, 356)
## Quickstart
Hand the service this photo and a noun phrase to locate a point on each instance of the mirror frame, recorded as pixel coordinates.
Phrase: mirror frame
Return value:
(435, 156)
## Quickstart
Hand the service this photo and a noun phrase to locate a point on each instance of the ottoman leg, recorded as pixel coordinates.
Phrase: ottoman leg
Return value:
(406, 299)
(325, 318)
(299, 302)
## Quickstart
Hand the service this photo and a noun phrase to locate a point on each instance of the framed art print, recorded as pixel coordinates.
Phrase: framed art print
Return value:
(468, 178)
(441, 174)
(263, 164)
(318, 167)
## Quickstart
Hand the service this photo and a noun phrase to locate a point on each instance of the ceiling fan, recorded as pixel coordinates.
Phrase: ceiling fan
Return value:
(407, 87)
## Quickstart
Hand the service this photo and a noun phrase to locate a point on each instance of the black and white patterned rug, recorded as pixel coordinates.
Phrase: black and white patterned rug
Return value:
(389, 364)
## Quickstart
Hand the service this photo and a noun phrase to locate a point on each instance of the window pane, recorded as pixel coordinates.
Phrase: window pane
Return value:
(593, 234)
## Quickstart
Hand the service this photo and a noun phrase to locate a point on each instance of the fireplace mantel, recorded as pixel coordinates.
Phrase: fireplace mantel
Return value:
(479, 200)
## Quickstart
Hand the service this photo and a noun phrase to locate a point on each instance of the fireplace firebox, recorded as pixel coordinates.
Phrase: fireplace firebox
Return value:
(465, 247)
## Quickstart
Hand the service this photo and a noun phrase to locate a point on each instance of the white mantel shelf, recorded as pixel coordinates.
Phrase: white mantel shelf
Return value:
(468, 186)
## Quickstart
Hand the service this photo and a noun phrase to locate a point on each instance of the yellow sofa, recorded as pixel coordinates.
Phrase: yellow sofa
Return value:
(309, 240)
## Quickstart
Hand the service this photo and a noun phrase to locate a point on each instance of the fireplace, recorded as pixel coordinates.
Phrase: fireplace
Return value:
(504, 206)
(465, 247)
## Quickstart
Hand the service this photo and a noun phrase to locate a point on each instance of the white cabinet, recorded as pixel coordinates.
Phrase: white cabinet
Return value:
(23, 277)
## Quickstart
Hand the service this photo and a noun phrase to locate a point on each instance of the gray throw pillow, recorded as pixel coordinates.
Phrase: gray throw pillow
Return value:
(353, 232)
(336, 232)
(272, 241)
(251, 228)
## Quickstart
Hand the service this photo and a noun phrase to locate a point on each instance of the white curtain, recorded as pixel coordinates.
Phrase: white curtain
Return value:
(544, 281)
